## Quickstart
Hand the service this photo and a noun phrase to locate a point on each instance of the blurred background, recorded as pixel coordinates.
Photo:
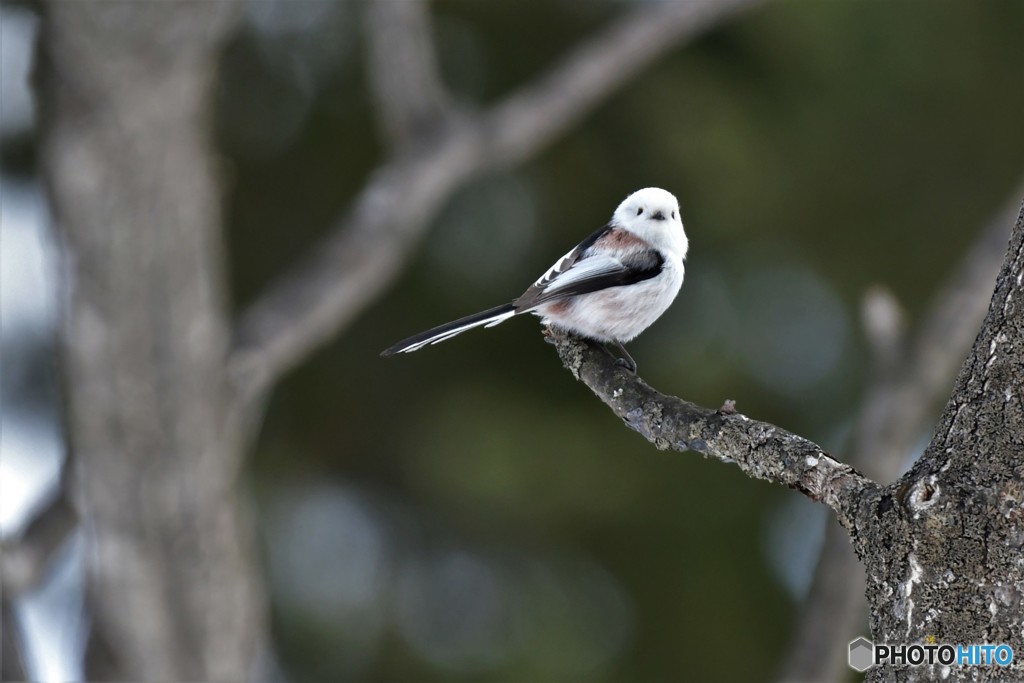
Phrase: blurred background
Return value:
(470, 512)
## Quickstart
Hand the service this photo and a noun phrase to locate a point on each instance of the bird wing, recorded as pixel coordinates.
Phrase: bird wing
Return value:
(575, 254)
(588, 269)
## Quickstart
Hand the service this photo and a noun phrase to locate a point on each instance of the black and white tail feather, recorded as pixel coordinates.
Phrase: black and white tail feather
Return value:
(610, 287)
(487, 318)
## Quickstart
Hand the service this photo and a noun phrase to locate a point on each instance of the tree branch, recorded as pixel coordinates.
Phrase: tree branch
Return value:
(364, 252)
(944, 555)
(897, 409)
(529, 119)
(402, 70)
(761, 450)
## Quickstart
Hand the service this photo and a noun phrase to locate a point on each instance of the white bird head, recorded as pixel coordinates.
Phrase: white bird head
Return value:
(653, 215)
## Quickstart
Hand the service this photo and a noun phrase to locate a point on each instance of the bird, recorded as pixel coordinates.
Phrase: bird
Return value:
(610, 287)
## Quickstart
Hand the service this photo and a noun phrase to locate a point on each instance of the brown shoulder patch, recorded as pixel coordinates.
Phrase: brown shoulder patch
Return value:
(620, 238)
(559, 307)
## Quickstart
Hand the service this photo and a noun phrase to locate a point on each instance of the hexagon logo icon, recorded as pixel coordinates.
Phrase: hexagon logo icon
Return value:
(861, 654)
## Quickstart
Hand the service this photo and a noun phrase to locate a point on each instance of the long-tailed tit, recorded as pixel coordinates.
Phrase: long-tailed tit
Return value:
(610, 287)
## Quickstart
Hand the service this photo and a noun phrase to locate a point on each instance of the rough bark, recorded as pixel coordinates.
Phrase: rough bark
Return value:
(944, 552)
(761, 450)
(125, 94)
(943, 547)
(910, 378)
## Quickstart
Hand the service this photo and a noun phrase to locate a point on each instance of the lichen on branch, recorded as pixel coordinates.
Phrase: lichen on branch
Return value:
(761, 450)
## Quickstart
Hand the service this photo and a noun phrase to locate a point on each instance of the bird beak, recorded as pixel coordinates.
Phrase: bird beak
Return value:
(658, 216)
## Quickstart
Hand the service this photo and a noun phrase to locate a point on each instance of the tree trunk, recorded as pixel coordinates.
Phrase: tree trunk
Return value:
(125, 93)
(944, 545)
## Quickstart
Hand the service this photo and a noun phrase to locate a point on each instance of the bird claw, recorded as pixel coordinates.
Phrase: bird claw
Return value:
(629, 364)
(625, 360)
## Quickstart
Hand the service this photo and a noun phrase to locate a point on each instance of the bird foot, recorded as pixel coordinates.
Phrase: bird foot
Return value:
(625, 360)
(627, 363)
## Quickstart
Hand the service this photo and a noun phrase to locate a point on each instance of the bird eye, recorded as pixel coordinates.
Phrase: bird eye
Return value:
(639, 211)
(673, 215)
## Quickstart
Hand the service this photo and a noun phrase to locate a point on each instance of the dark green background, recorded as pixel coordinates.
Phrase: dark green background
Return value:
(817, 148)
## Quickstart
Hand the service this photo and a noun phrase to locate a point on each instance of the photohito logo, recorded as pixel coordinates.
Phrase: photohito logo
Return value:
(864, 654)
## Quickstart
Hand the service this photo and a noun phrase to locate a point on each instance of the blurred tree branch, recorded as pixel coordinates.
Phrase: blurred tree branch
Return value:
(370, 243)
(152, 417)
(908, 381)
(411, 100)
(759, 449)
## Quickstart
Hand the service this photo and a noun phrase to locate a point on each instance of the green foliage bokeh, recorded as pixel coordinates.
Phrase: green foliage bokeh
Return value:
(817, 148)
